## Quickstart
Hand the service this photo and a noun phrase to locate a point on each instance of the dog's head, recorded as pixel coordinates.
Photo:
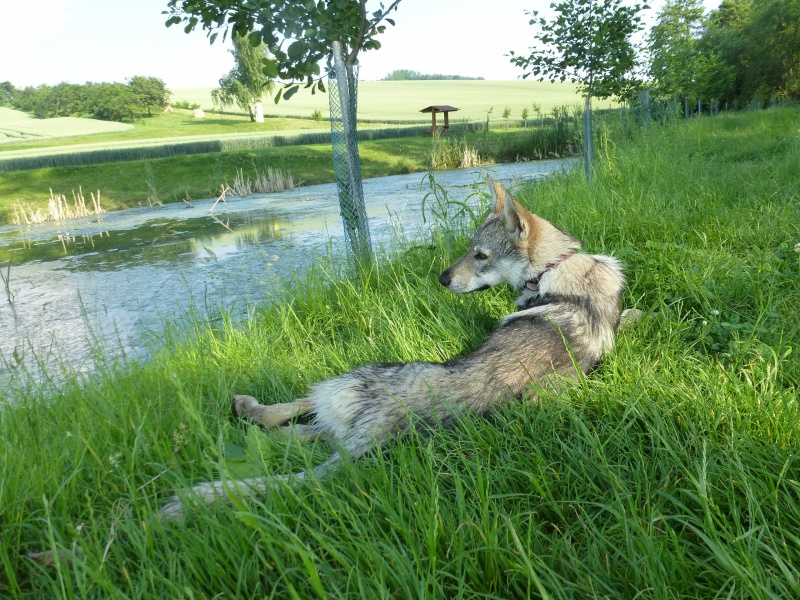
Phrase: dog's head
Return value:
(511, 246)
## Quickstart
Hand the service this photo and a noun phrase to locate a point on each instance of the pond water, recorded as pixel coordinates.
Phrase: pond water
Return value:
(105, 285)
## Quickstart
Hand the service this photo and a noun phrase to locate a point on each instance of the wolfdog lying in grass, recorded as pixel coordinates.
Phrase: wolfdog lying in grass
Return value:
(567, 317)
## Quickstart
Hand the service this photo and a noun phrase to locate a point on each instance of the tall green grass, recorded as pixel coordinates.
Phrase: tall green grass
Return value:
(672, 471)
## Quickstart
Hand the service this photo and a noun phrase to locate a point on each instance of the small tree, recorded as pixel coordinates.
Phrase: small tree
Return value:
(7, 93)
(151, 93)
(588, 42)
(525, 115)
(245, 84)
(507, 115)
(537, 110)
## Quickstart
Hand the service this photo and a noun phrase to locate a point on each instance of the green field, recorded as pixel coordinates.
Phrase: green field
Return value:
(16, 126)
(672, 471)
(162, 128)
(402, 100)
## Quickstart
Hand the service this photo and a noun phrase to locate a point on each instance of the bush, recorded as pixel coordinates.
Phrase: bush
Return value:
(185, 104)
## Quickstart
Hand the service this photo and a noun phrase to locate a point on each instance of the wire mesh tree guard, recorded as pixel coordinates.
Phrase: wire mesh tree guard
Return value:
(342, 98)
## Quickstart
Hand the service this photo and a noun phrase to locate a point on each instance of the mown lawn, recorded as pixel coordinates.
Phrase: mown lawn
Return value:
(178, 124)
(673, 471)
(125, 184)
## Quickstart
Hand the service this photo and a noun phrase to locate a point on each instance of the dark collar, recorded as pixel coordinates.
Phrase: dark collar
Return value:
(533, 284)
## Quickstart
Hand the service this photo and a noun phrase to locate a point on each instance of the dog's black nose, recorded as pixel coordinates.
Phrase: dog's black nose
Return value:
(445, 278)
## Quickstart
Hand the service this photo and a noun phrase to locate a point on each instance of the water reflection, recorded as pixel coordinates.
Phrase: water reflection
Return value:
(99, 286)
(160, 242)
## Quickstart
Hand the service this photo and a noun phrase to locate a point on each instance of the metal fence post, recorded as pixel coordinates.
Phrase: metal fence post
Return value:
(588, 138)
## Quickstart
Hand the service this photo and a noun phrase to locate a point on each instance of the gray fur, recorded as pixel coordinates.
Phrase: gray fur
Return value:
(567, 321)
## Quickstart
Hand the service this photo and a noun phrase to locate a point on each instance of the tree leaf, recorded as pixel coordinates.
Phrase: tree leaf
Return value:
(295, 50)
(270, 68)
(290, 92)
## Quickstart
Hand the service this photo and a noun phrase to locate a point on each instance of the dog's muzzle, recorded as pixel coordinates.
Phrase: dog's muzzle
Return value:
(446, 280)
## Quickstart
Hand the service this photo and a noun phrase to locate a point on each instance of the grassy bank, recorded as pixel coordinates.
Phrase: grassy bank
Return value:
(672, 471)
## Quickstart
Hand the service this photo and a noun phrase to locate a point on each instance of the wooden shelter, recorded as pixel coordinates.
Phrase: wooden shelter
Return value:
(443, 108)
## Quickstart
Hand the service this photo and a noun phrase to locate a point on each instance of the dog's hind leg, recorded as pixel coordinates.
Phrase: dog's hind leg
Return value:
(270, 415)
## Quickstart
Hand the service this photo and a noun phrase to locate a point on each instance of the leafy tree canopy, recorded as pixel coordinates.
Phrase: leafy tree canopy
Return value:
(674, 48)
(151, 92)
(743, 51)
(298, 33)
(733, 13)
(7, 93)
(588, 42)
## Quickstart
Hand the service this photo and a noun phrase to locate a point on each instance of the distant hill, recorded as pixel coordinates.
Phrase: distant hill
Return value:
(409, 75)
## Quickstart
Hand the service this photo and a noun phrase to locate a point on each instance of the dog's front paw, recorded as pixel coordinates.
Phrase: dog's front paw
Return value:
(243, 404)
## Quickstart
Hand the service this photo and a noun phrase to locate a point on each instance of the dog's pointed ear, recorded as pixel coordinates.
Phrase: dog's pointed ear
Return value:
(512, 220)
(509, 211)
(499, 195)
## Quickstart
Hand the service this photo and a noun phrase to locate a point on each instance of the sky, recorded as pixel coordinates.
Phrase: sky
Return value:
(50, 41)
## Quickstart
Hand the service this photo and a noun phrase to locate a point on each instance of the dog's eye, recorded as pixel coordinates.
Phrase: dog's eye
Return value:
(480, 256)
